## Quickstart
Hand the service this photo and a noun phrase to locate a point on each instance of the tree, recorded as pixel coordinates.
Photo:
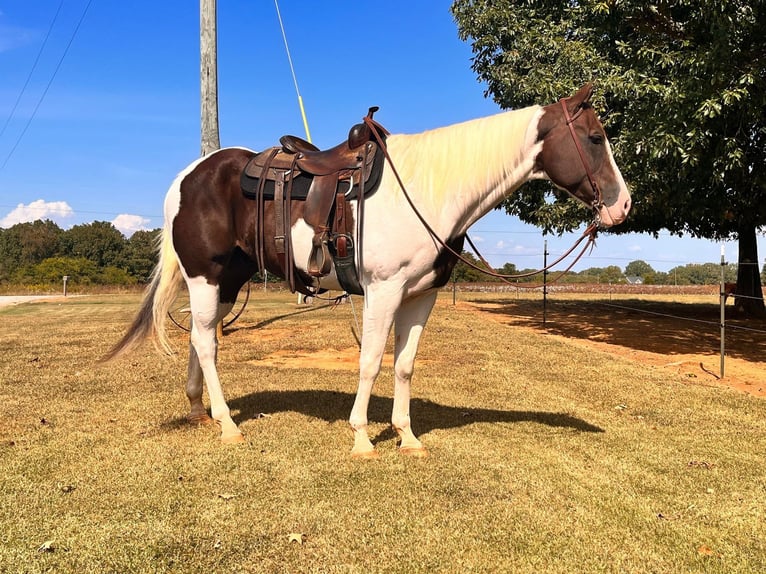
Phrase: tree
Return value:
(100, 242)
(140, 254)
(639, 268)
(701, 274)
(462, 273)
(28, 244)
(51, 270)
(611, 274)
(686, 93)
(508, 269)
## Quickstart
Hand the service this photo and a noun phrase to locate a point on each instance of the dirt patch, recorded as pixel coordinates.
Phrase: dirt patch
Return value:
(681, 338)
(328, 359)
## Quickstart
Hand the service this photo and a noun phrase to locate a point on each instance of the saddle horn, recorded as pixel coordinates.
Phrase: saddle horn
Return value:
(358, 135)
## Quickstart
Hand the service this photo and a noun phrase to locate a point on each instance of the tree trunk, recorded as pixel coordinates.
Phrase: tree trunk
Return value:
(749, 275)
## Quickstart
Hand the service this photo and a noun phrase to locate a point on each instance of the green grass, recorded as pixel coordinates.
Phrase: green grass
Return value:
(545, 457)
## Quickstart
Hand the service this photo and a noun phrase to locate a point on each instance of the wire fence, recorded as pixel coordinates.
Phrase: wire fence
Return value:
(691, 319)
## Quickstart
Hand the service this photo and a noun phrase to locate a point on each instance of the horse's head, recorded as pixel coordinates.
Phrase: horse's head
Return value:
(576, 157)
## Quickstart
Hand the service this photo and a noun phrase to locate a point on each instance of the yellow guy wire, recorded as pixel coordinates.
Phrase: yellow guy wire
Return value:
(292, 71)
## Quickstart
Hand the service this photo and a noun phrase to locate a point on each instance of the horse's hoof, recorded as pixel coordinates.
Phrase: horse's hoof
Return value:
(413, 451)
(365, 455)
(237, 438)
(203, 419)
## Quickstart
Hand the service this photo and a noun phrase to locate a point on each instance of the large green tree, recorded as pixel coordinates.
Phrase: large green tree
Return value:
(140, 254)
(27, 244)
(99, 242)
(639, 268)
(681, 88)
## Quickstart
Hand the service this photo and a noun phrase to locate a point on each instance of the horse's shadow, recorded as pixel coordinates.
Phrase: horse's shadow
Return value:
(333, 406)
(267, 322)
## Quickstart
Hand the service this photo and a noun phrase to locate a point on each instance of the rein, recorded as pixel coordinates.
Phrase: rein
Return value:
(589, 232)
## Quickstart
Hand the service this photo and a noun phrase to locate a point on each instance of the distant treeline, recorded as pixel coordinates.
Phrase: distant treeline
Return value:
(689, 274)
(41, 253)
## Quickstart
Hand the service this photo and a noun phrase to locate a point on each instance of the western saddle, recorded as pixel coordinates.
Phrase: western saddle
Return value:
(298, 170)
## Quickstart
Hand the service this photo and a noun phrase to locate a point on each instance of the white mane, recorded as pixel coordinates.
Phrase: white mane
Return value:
(465, 159)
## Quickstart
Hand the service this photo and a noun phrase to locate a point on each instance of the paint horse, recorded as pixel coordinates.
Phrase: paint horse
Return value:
(452, 175)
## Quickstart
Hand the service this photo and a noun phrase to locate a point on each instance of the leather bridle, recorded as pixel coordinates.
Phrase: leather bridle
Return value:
(596, 204)
(590, 233)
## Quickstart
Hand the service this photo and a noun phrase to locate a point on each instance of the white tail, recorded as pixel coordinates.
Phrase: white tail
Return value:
(159, 296)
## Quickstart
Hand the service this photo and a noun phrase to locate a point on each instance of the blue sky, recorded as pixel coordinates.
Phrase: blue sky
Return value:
(110, 112)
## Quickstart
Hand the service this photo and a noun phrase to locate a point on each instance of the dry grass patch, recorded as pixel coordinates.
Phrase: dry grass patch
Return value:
(546, 456)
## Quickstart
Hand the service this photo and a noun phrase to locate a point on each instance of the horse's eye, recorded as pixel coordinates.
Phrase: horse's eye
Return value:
(596, 139)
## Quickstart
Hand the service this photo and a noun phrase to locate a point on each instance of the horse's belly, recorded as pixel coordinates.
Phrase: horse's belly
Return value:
(391, 253)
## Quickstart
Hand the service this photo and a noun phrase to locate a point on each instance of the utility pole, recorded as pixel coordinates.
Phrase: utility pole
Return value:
(208, 44)
(208, 81)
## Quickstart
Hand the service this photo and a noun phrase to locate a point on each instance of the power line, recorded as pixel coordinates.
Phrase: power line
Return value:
(34, 67)
(47, 87)
(81, 212)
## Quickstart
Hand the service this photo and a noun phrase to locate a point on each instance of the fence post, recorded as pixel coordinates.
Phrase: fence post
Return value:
(545, 280)
(723, 308)
(454, 288)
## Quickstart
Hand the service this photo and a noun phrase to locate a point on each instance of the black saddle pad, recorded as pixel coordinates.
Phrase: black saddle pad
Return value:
(302, 182)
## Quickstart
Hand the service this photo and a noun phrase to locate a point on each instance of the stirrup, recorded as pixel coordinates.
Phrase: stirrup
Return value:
(319, 257)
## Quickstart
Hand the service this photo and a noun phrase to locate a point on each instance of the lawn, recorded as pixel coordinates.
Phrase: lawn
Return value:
(545, 456)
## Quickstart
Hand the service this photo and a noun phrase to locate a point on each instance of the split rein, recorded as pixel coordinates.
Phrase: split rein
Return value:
(590, 232)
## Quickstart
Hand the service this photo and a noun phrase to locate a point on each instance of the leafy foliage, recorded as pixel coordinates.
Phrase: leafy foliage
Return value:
(686, 91)
(139, 254)
(27, 243)
(462, 273)
(99, 241)
(42, 253)
(638, 268)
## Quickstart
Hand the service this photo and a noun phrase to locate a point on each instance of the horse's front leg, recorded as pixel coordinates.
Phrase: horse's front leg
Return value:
(410, 321)
(205, 316)
(380, 304)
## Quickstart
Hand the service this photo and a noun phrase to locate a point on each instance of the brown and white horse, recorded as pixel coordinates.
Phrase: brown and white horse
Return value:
(453, 175)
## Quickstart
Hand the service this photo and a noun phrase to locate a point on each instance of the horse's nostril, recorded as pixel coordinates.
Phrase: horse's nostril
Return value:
(627, 205)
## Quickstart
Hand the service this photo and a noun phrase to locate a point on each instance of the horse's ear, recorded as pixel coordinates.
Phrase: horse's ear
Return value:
(581, 97)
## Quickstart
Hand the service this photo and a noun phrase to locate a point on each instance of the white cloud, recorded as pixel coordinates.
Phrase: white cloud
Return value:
(477, 238)
(500, 244)
(634, 248)
(129, 224)
(39, 209)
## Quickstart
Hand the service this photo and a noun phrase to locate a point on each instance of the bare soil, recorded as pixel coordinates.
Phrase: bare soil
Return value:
(680, 338)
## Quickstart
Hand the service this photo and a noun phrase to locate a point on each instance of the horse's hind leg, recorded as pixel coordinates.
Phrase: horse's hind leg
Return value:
(206, 313)
(411, 319)
(197, 412)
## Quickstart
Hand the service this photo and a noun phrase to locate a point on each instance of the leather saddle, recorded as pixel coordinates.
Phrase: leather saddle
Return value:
(298, 170)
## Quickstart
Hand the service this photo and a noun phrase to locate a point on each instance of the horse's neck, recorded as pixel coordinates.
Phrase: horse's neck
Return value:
(458, 173)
